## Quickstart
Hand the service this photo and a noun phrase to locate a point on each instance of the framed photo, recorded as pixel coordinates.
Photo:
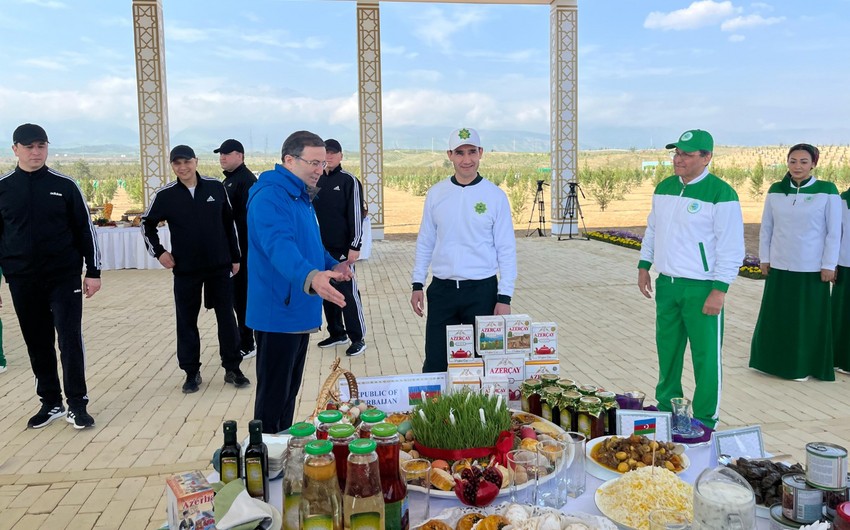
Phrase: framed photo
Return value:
(746, 442)
(663, 425)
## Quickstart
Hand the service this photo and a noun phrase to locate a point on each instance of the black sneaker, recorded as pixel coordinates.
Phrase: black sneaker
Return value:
(79, 418)
(330, 342)
(236, 378)
(192, 382)
(356, 348)
(246, 354)
(46, 416)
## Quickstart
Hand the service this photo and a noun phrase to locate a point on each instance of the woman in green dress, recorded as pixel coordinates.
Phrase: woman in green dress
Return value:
(798, 248)
(841, 293)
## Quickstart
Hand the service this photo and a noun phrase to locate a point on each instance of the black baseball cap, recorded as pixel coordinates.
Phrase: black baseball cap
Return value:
(182, 151)
(332, 146)
(29, 133)
(230, 145)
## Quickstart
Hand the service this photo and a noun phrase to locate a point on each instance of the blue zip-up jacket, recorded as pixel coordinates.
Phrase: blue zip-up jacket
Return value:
(284, 253)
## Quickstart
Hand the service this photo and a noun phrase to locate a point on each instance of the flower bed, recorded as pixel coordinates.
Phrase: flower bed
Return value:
(624, 238)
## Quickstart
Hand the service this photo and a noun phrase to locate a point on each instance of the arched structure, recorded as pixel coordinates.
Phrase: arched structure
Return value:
(153, 107)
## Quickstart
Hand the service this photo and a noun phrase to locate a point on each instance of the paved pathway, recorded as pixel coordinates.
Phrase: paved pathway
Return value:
(112, 476)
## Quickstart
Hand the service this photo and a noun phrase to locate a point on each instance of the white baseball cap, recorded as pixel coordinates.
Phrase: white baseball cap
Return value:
(464, 136)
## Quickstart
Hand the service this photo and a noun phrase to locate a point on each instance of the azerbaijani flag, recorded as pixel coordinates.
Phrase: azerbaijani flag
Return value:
(646, 426)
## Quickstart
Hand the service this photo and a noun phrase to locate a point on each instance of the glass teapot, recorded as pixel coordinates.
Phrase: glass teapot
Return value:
(723, 500)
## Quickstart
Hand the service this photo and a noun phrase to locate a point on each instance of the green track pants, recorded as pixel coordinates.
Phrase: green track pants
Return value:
(679, 321)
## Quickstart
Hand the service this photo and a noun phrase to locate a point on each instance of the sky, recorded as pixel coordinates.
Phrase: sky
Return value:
(752, 73)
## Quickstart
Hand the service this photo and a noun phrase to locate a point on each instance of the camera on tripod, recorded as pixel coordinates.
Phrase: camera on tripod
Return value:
(573, 207)
(538, 204)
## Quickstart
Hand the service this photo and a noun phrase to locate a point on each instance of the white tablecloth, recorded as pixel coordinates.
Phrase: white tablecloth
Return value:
(124, 248)
(699, 457)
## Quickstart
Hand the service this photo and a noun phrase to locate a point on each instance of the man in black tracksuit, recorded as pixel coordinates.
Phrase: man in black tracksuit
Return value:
(204, 256)
(339, 209)
(45, 235)
(238, 179)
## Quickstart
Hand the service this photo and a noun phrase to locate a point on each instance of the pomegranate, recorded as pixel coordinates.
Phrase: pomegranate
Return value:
(478, 487)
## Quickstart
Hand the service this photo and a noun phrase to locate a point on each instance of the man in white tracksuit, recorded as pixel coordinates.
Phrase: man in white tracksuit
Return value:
(695, 239)
(466, 238)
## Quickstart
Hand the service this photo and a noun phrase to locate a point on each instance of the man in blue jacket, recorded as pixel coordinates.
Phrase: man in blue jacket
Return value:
(289, 267)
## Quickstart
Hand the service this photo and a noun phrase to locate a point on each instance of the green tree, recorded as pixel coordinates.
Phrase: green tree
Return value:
(757, 179)
(605, 185)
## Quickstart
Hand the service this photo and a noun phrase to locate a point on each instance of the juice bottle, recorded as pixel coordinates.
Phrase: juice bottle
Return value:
(363, 501)
(368, 419)
(396, 513)
(321, 502)
(293, 473)
(257, 463)
(341, 435)
(326, 419)
(230, 457)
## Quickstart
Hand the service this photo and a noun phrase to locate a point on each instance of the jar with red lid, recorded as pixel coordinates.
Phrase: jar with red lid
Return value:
(842, 517)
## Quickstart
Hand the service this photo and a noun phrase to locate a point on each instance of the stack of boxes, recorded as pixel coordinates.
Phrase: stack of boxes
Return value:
(512, 348)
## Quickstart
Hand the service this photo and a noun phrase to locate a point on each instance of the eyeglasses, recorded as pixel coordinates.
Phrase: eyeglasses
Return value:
(315, 164)
(682, 154)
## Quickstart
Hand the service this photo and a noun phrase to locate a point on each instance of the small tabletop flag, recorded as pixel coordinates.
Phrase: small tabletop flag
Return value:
(646, 426)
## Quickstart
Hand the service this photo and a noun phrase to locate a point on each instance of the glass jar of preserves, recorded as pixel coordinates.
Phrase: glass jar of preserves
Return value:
(590, 421)
(550, 402)
(567, 384)
(368, 419)
(531, 396)
(549, 379)
(327, 418)
(588, 390)
(341, 435)
(569, 409)
(609, 406)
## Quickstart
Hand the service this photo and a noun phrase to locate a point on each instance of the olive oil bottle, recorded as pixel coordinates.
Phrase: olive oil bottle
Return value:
(257, 463)
(230, 457)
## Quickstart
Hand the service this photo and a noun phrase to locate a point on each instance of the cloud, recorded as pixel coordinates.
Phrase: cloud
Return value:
(333, 68)
(177, 33)
(244, 54)
(116, 22)
(44, 63)
(269, 38)
(698, 14)
(736, 38)
(749, 21)
(104, 99)
(436, 28)
(50, 4)
(519, 56)
(387, 49)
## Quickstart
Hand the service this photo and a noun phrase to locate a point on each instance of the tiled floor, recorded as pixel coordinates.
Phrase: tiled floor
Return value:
(112, 476)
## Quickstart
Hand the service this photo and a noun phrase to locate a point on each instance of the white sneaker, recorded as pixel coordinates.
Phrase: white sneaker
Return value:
(248, 354)
(3, 369)
(802, 379)
(837, 369)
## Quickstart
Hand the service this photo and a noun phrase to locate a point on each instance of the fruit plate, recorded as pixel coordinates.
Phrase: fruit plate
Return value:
(503, 491)
(451, 516)
(601, 472)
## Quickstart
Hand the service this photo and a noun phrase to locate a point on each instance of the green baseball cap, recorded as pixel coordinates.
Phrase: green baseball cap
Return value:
(694, 140)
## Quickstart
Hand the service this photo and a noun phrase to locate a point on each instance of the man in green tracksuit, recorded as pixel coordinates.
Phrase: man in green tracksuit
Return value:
(695, 238)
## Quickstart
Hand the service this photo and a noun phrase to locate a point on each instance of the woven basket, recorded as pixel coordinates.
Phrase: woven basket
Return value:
(329, 390)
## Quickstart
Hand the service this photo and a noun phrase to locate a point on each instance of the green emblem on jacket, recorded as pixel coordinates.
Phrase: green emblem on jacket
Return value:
(480, 208)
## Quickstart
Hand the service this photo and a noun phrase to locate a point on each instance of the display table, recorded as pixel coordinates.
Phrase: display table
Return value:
(124, 248)
(699, 457)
